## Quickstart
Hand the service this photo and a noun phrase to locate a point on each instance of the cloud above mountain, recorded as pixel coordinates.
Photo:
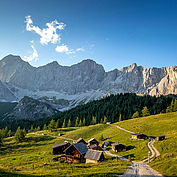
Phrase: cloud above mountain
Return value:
(48, 34)
(34, 54)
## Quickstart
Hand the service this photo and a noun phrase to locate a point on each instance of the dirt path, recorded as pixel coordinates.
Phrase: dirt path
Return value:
(141, 169)
(69, 139)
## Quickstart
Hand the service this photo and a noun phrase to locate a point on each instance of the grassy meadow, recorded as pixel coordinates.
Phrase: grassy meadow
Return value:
(28, 158)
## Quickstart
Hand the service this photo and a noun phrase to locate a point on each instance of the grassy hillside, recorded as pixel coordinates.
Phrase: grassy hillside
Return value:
(158, 125)
(28, 158)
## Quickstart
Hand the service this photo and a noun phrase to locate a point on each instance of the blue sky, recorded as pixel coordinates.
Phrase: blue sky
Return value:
(114, 33)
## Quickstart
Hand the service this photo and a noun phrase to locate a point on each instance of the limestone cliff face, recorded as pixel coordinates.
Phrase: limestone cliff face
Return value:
(87, 76)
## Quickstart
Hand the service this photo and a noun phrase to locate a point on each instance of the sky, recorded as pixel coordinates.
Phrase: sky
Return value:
(114, 33)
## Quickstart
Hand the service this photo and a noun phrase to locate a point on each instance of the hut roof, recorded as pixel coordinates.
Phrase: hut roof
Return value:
(80, 140)
(116, 144)
(59, 145)
(95, 155)
(92, 139)
(161, 136)
(81, 147)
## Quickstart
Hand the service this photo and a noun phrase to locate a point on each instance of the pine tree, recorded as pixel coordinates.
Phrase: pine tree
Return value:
(120, 117)
(5, 132)
(19, 135)
(105, 120)
(57, 124)
(145, 111)
(135, 115)
(9, 133)
(24, 131)
(31, 130)
(101, 138)
(64, 124)
(38, 128)
(80, 123)
(52, 125)
(45, 127)
(175, 105)
(77, 122)
(1, 137)
(69, 123)
(84, 122)
(101, 121)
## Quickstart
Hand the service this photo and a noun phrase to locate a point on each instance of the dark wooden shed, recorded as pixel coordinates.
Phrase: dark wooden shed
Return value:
(93, 156)
(160, 138)
(93, 141)
(95, 147)
(59, 148)
(139, 136)
(117, 147)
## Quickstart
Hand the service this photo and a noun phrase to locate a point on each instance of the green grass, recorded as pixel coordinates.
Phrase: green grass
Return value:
(28, 158)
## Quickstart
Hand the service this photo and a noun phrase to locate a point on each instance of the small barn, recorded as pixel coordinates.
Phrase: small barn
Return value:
(75, 152)
(93, 141)
(60, 134)
(81, 140)
(59, 148)
(160, 138)
(139, 136)
(95, 147)
(94, 156)
(117, 147)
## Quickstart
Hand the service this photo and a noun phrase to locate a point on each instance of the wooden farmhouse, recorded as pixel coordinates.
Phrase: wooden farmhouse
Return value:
(80, 140)
(59, 148)
(94, 156)
(75, 152)
(139, 136)
(117, 147)
(160, 138)
(93, 141)
(95, 147)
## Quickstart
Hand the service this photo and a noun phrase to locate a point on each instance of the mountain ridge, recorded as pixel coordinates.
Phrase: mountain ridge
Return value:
(79, 82)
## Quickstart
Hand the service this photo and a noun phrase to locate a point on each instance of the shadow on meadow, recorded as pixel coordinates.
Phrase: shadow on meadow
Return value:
(27, 143)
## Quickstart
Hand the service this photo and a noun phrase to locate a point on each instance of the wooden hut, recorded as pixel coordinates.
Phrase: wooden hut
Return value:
(94, 156)
(117, 147)
(95, 147)
(60, 134)
(59, 148)
(160, 138)
(139, 136)
(93, 141)
(75, 152)
(81, 140)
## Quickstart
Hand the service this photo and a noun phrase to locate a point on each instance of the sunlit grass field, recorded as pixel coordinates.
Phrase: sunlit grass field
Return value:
(28, 158)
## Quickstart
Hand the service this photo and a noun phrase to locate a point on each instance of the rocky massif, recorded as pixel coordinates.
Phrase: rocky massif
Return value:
(67, 86)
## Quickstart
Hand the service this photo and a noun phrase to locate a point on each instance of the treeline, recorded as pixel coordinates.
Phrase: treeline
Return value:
(113, 108)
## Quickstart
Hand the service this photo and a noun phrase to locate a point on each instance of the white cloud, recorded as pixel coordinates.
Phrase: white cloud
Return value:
(62, 49)
(66, 50)
(33, 56)
(48, 34)
(80, 49)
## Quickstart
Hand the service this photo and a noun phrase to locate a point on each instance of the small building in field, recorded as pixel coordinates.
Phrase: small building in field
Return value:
(95, 147)
(160, 138)
(93, 141)
(81, 140)
(59, 148)
(75, 152)
(139, 136)
(117, 147)
(60, 134)
(93, 156)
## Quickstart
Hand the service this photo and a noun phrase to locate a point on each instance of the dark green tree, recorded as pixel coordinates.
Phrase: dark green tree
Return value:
(45, 127)
(77, 122)
(136, 115)
(64, 124)
(19, 135)
(69, 123)
(80, 123)
(84, 122)
(52, 125)
(105, 120)
(145, 111)
(120, 117)
(57, 124)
